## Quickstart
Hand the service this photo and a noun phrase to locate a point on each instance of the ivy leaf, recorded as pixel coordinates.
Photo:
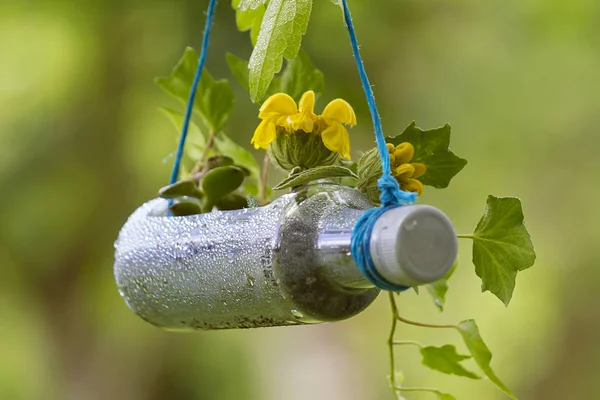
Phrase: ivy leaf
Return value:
(249, 16)
(214, 99)
(480, 352)
(438, 289)
(501, 246)
(432, 149)
(445, 359)
(283, 26)
(301, 178)
(301, 75)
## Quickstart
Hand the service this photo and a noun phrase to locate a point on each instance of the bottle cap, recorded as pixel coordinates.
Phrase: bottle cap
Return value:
(413, 245)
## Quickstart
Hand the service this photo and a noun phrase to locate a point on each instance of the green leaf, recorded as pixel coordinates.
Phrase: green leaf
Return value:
(249, 16)
(431, 149)
(221, 181)
(214, 99)
(240, 155)
(179, 189)
(480, 352)
(232, 201)
(249, 4)
(283, 26)
(445, 396)
(239, 69)
(445, 359)
(501, 246)
(243, 158)
(195, 142)
(438, 289)
(190, 206)
(301, 75)
(301, 178)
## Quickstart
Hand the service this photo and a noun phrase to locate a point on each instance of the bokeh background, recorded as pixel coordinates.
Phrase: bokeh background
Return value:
(82, 145)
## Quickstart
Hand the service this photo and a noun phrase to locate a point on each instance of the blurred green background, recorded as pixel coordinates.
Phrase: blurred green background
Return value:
(82, 145)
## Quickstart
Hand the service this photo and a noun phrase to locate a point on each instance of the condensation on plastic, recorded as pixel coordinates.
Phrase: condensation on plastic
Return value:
(246, 268)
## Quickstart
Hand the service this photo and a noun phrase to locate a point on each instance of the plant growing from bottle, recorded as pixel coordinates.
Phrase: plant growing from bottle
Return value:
(308, 145)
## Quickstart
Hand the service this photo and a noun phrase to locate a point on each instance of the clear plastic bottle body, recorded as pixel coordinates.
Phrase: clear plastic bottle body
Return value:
(283, 264)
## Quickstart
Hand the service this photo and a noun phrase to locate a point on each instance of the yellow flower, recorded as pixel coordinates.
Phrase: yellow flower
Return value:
(280, 116)
(405, 172)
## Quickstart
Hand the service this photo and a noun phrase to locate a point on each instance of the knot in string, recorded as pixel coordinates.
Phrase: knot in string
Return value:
(391, 195)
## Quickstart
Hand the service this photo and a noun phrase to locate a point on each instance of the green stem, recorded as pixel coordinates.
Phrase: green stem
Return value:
(416, 389)
(465, 236)
(392, 378)
(422, 324)
(263, 179)
(407, 342)
(209, 145)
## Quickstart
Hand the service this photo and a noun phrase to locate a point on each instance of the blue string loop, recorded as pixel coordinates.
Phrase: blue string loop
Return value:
(391, 194)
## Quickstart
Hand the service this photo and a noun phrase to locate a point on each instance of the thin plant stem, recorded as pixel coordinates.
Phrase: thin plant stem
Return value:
(392, 378)
(406, 342)
(416, 389)
(465, 236)
(263, 178)
(410, 322)
(209, 145)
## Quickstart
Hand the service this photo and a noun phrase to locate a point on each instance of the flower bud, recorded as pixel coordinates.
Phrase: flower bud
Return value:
(300, 149)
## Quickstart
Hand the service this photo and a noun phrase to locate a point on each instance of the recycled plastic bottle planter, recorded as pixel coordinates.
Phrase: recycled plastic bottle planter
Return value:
(286, 263)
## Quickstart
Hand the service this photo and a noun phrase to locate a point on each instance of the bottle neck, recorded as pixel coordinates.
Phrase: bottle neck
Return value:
(335, 260)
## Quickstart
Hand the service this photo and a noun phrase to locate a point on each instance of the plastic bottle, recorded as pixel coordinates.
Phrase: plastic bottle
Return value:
(285, 263)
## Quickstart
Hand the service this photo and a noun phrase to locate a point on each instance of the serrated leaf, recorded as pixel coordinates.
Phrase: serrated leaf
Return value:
(249, 4)
(445, 359)
(301, 75)
(432, 149)
(481, 353)
(214, 99)
(282, 28)
(249, 18)
(438, 289)
(303, 9)
(195, 142)
(309, 175)
(501, 246)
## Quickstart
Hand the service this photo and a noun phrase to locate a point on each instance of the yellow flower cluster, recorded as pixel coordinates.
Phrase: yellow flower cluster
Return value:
(280, 111)
(405, 172)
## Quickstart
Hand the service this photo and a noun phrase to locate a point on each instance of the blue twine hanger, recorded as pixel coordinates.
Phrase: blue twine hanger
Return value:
(188, 111)
(391, 194)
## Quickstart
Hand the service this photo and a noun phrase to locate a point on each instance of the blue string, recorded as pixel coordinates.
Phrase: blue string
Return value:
(188, 111)
(391, 194)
